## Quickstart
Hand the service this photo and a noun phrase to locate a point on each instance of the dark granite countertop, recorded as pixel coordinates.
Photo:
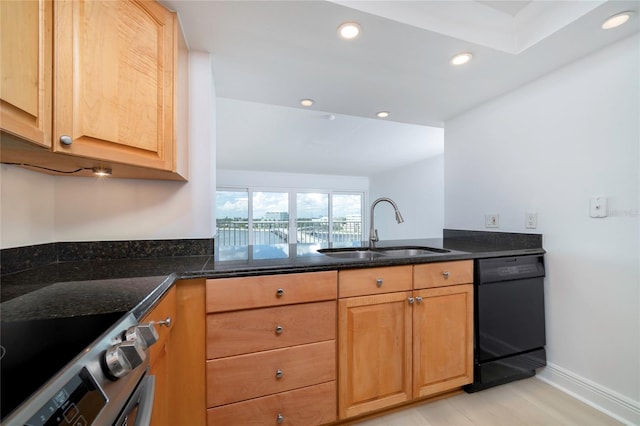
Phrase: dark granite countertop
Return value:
(134, 284)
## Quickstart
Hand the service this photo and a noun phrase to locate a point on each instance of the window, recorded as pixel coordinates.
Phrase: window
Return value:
(312, 218)
(270, 218)
(255, 217)
(347, 217)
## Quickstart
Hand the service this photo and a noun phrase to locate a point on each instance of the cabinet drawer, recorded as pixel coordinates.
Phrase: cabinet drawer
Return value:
(310, 406)
(165, 309)
(249, 376)
(362, 282)
(241, 332)
(443, 274)
(228, 294)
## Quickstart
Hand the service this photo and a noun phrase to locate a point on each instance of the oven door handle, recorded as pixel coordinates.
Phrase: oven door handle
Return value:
(145, 405)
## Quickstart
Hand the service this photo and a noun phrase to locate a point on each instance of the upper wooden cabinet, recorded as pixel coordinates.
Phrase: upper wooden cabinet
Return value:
(25, 69)
(113, 73)
(119, 84)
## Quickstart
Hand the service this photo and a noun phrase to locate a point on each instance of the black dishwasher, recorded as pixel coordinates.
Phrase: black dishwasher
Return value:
(509, 329)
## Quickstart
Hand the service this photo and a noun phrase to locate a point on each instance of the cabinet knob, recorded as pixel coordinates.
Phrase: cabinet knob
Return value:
(279, 373)
(411, 300)
(279, 329)
(279, 418)
(419, 299)
(166, 322)
(280, 292)
(379, 282)
(66, 140)
(445, 274)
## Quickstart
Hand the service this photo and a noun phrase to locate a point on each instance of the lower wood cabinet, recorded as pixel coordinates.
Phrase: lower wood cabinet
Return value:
(442, 339)
(374, 352)
(238, 378)
(271, 353)
(312, 405)
(293, 353)
(399, 346)
(159, 357)
(177, 359)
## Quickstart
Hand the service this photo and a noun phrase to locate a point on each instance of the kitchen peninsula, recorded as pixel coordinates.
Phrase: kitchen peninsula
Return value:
(142, 273)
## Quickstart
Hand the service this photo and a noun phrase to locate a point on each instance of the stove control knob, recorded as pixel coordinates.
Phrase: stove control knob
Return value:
(120, 359)
(145, 334)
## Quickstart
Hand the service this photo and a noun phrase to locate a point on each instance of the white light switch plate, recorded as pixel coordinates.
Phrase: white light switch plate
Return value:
(531, 221)
(598, 206)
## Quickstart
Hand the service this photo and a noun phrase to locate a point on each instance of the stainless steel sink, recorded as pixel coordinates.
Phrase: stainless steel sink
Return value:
(377, 252)
(411, 251)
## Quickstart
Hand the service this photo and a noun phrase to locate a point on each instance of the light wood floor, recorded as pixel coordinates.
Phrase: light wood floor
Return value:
(528, 402)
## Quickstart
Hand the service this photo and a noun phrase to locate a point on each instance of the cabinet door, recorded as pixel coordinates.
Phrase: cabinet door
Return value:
(159, 357)
(442, 339)
(374, 352)
(25, 69)
(114, 80)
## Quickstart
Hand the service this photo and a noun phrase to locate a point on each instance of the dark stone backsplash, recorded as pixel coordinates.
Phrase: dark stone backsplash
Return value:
(488, 240)
(28, 257)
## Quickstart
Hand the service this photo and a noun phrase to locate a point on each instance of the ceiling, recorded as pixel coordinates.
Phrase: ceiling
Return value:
(279, 52)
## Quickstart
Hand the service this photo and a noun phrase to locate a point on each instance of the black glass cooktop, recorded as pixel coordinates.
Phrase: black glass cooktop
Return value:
(34, 351)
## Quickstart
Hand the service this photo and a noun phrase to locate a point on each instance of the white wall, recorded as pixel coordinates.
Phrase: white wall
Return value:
(258, 179)
(547, 148)
(38, 208)
(26, 207)
(418, 190)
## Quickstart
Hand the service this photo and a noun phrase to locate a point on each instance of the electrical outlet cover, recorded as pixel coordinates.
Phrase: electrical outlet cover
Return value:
(531, 221)
(491, 220)
(598, 206)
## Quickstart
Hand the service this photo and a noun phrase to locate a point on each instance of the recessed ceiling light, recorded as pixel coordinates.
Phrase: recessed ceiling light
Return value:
(616, 20)
(383, 114)
(306, 102)
(349, 30)
(461, 59)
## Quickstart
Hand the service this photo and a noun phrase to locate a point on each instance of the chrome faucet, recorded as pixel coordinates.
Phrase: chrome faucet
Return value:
(373, 232)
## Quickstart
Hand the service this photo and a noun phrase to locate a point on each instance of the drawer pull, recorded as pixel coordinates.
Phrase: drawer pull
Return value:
(411, 300)
(445, 274)
(279, 374)
(280, 292)
(279, 329)
(419, 299)
(279, 418)
(379, 282)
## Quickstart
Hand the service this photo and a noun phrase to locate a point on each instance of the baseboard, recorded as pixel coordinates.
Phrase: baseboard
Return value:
(618, 406)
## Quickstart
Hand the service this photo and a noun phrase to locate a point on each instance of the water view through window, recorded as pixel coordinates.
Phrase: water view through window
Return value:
(246, 217)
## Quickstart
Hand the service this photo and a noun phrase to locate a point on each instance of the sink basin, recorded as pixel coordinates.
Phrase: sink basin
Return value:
(377, 252)
(411, 251)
